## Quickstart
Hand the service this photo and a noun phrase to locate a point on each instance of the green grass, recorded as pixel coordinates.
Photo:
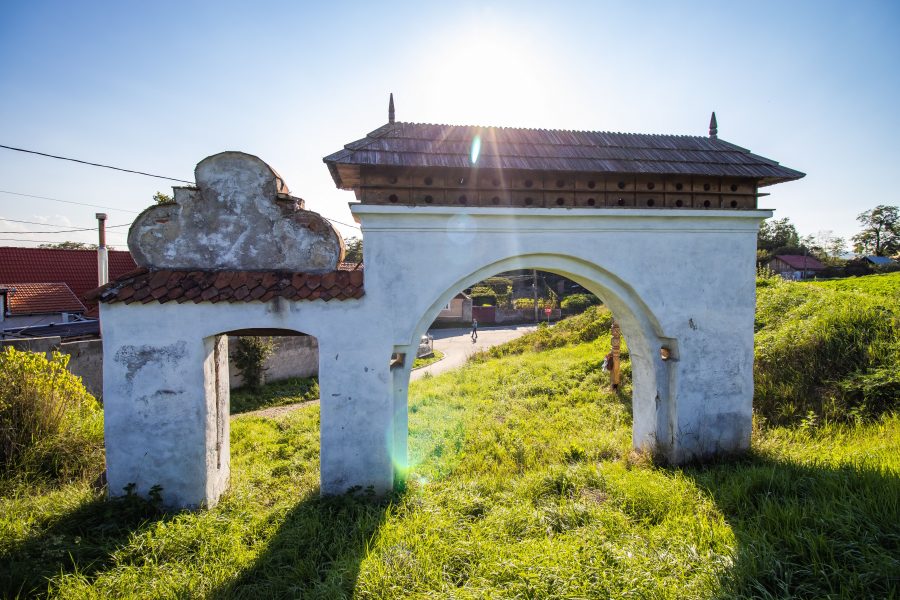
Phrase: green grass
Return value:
(280, 393)
(523, 485)
(828, 350)
(428, 360)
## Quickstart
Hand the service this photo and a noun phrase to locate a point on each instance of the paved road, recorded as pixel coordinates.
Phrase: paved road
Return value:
(457, 346)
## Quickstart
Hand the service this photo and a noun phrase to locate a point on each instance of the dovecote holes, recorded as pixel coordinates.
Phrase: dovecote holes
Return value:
(529, 200)
(462, 199)
(621, 185)
(393, 179)
(679, 203)
(495, 200)
(706, 187)
(528, 183)
(620, 202)
(429, 199)
(461, 181)
(734, 204)
(706, 203)
(650, 201)
(560, 201)
(560, 183)
(734, 187)
(592, 184)
(679, 186)
(429, 180)
(393, 197)
(591, 201)
(651, 185)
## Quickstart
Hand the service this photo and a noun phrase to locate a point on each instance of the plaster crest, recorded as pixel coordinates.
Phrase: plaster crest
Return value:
(240, 216)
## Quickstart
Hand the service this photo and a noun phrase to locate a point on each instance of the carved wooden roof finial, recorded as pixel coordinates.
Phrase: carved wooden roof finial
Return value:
(391, 109)
(713, 127)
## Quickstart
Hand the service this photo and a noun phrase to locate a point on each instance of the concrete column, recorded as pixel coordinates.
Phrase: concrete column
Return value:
(166, 417)
(357, 414)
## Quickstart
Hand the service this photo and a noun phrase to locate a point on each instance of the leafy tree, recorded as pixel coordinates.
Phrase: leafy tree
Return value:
(68, 245)
(881, 231)
(354, 250)
(777, 234)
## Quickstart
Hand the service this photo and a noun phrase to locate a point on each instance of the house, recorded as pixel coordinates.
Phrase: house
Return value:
(795, 266)
(458, 310)
(879, 261)
(77, 269)
(35, 304)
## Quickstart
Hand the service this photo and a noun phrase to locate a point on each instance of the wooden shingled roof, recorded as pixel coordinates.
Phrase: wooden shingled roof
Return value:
(420, 145)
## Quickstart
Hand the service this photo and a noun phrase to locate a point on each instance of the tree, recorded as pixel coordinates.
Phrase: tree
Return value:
(354, 250)
(881, 231)
(67, 245)
(777, 233)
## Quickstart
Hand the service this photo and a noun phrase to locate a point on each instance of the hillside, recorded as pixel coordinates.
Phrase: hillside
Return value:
(522, 485)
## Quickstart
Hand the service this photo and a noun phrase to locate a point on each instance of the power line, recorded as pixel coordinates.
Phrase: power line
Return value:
(52, 225)
(68, 201)
(93, 164)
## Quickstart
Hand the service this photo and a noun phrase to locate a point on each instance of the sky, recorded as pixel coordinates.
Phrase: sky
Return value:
(158, 86)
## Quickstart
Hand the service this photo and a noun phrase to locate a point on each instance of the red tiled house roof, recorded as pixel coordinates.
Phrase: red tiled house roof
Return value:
(75, 268)
(162, 286)
(41, 299)
(801, 263)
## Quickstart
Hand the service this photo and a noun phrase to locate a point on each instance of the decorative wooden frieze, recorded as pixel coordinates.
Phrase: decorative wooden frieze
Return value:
(492, 188)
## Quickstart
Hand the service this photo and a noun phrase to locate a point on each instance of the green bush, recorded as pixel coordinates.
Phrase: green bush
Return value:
(49, 424)
(577, 303)
(483, 296)
(250, 358)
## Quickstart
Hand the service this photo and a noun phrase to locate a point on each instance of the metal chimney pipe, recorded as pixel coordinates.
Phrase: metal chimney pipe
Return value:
(102, 256)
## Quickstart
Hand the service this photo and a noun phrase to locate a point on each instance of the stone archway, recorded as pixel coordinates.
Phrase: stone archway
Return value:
(651, 427)
(663, 228)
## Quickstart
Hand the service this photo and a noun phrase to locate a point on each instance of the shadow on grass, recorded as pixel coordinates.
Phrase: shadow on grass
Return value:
(807, 531)
(317, 550)
(82, 540)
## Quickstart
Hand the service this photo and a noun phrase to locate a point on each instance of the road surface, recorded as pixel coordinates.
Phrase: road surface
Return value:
(457, 346)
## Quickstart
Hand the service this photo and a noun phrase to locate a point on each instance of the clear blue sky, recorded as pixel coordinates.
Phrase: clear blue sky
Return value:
(157, 86)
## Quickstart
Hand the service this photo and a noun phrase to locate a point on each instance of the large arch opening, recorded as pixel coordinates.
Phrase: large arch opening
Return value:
(650, 351)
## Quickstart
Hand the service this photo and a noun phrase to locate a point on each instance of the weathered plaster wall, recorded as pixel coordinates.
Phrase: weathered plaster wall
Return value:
(292, 356)
(240, 216)
(680, 279)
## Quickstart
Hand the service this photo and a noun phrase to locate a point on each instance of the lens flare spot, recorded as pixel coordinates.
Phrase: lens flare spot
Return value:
(476, 149)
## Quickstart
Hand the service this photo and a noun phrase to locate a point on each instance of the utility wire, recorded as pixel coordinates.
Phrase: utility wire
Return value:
(52, 225)
(68, 201)
(93, 164)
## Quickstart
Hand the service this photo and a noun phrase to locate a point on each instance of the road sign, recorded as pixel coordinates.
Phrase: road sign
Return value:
(547, 311)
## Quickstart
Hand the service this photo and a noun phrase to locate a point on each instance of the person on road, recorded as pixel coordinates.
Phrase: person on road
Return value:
(474, 330)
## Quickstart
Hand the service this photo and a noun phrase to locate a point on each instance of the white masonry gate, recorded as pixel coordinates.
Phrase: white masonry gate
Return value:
(238, 253)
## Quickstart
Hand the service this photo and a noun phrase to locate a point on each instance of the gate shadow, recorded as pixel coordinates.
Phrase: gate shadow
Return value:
(317, 550)
(807, 531)
(82, 540)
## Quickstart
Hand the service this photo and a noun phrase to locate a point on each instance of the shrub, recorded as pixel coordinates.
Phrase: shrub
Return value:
(523, 303)
(577, 303)
(49, 424)
(250, 358)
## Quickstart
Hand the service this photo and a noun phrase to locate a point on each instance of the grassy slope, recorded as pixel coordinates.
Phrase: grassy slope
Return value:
(523, 485)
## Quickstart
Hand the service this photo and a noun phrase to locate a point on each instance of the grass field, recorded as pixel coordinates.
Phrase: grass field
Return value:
(523, 485)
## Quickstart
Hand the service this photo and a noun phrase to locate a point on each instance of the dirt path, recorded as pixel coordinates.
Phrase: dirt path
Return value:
(274, 411)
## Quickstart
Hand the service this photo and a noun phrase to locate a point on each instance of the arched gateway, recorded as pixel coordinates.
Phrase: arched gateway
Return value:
(661, 228)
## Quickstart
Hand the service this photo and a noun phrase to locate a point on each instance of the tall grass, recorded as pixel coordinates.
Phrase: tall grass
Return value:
(50, 426)
(827, 351)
